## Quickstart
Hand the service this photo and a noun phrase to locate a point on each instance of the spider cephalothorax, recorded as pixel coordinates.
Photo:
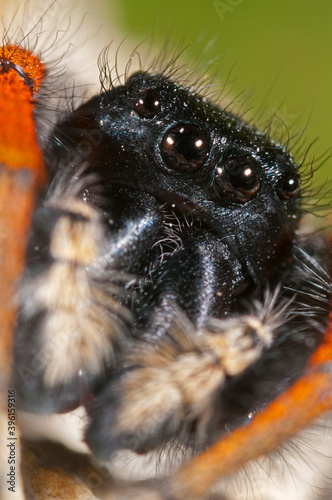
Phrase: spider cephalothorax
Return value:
(152, 256)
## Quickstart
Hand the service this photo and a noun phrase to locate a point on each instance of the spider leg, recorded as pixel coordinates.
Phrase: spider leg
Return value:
(307, 399)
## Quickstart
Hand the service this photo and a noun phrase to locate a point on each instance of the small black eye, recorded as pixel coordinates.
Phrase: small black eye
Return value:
(185, 147)
(147, 103)
(288, 187)
(238, 179)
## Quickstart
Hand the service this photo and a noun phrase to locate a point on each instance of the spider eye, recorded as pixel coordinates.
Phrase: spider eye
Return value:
(288, 187)
(238, 179)
(147, 104)
(185, 147)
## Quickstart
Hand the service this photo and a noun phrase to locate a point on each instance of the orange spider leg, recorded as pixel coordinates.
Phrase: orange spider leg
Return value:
(22, 174)
(307, 399)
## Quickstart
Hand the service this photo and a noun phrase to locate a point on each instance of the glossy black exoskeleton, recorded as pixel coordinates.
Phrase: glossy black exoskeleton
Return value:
(203, 164)
(200, 212)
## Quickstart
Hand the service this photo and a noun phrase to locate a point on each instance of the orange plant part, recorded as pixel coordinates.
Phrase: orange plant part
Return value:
(307, 399)
(21, 175)
(20, 76)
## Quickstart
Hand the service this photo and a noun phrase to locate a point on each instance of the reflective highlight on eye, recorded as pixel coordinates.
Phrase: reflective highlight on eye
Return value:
(147, 104)
(288, 187)
(185, 147)
(238, 180)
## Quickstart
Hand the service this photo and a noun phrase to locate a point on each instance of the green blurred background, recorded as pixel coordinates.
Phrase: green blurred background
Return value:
(277, 51)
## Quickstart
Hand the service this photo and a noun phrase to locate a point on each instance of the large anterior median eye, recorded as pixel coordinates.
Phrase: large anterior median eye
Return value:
(238, 179)
(185, 147)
